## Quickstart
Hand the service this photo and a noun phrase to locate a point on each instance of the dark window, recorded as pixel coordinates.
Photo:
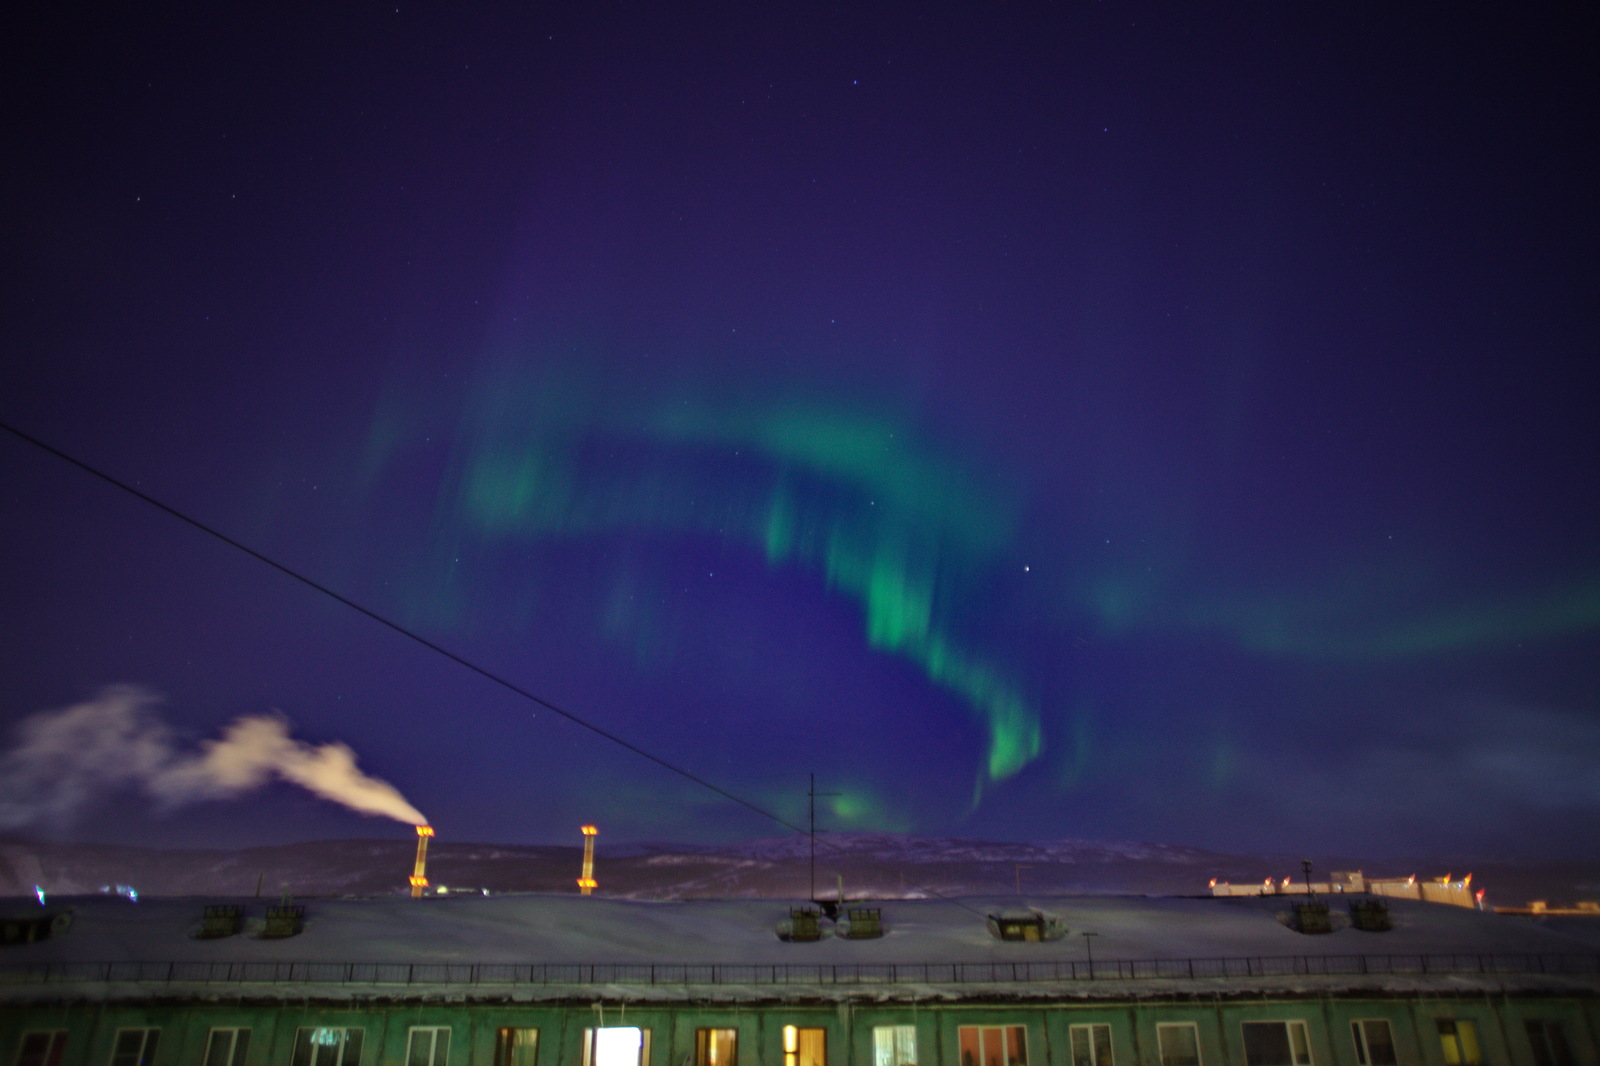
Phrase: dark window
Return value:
(1374, 1043)
(134, 1047)
(1091, 1045)
(1549, 1043)
(1179, 1043)
(227, 1047)
(428, 1045)
(1276, 1044)
(41, 1049)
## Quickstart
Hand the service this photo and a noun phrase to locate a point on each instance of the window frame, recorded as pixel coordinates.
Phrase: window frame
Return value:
(885, 1056)
(150, 1039)
(1090, 1029)
(795, 1056)
(1558, 1053)
(1452, 1029)
(1358, 1034)
(1165, 1027)
(344, 1032)
(236, 1053)
(706, 1044)
(434, 1058)
(591, 1036)
(984, 1032)
(54, 1050)
(505, 1045)
(1291, 1026)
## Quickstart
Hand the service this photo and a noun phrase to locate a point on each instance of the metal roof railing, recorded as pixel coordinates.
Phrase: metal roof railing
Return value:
(944, 973)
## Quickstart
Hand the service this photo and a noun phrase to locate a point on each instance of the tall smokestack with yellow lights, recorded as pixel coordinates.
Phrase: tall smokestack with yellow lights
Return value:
(419, 879)
(587, 884)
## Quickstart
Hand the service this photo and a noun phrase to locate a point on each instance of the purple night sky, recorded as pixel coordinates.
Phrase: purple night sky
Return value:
(1115, 420)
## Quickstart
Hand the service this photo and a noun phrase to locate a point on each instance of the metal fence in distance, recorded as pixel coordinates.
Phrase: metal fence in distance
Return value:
(956, 973)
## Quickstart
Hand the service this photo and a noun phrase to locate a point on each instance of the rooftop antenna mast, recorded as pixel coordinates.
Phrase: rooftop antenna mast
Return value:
(812, 794)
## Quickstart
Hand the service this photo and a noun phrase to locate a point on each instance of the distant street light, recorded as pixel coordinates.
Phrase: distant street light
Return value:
(1088, 945)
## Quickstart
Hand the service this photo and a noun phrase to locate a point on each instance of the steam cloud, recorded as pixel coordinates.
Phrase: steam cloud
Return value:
(67, 759)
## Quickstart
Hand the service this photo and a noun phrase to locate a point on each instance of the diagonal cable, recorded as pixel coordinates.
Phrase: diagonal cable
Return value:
(489, 675)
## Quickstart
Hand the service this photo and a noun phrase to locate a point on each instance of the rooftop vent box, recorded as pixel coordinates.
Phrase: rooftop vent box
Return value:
(801, 926)
(1311, 917)
(1026, 925)
(27, 929)
(220, 920)
(1371, 915)
(285, 921)
(864, 923)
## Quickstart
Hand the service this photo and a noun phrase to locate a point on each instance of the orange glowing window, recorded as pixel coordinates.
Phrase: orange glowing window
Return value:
(716, 1047)
(804, 1047)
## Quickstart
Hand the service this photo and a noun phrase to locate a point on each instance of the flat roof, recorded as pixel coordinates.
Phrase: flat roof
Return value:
(554, 931)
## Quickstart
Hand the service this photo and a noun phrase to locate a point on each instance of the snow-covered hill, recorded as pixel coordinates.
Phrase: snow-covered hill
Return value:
(865, 865)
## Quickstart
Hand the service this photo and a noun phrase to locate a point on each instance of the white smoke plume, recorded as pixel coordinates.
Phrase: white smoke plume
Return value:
(65, 760)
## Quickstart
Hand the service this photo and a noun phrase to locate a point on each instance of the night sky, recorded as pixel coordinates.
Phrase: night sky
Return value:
(1121, 421)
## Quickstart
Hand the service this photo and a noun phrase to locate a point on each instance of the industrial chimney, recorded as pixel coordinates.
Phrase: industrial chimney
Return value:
(419, 879)
(587, 883)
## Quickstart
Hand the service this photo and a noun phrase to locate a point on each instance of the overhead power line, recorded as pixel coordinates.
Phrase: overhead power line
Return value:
(432, 646)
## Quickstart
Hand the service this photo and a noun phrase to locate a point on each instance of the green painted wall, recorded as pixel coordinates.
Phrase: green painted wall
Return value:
(1500, 1023)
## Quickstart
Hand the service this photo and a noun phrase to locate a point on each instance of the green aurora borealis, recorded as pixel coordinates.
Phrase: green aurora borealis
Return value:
(1033, 421)
(851, 497)
(858, 499)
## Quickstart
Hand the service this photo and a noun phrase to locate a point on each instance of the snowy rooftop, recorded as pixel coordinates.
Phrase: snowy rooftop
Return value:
(555, 930)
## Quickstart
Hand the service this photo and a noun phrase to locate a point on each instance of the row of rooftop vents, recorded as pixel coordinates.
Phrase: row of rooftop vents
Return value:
(227, 919)
(804, 924)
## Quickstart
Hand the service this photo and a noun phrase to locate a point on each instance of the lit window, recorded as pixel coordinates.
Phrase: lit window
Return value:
(516, 1047)
(1091, 1045)
(804, 1047)
(326, 1046)
(428, 1045)
(993, 1045)
(227, 1047)
(616, 1045)
(1459, 1042)
(894, 1045)
(1549, 1043)
(41, 1049)
(1276, 1044)
(134, 1047)
(1374, 1043)
(1179, 1043)
(716, 1047)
